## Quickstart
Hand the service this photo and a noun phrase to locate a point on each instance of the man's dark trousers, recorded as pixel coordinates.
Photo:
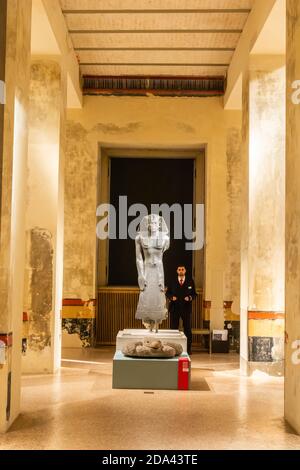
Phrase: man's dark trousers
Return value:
(187, 325)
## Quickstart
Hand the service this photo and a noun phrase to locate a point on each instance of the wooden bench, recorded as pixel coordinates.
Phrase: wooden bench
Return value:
(205, 332)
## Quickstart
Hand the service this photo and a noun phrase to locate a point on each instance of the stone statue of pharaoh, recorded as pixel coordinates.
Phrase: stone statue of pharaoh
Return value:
(151, 242)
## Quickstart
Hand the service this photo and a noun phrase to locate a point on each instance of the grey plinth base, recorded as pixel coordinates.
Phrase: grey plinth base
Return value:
(146, 373)
(174, 336)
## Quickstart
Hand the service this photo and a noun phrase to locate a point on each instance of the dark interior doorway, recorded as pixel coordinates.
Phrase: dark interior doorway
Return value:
(149, 181)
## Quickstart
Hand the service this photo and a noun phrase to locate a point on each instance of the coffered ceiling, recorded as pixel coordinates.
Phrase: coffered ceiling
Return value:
(191, 38)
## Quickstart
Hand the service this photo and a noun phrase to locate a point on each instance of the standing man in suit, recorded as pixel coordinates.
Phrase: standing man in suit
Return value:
(181, 293)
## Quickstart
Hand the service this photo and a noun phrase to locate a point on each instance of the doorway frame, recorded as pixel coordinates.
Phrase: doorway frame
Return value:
(106, 152)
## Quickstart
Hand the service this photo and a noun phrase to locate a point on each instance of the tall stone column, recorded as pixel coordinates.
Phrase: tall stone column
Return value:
(3, 18)
(44, 217)
(292, 282)
(262, 248)
(15, 69)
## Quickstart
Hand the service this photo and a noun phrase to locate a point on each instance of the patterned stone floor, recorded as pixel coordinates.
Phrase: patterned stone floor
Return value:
(78, 409)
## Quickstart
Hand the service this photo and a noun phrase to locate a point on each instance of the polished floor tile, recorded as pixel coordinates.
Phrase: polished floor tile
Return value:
(78, 409)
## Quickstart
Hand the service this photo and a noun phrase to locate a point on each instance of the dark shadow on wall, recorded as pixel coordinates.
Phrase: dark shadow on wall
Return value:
(149, 181)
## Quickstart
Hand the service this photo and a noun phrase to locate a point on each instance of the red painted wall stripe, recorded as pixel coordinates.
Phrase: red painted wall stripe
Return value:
(252, 315)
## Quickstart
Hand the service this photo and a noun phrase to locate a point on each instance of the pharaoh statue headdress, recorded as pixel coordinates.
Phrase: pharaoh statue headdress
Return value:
(162, 226)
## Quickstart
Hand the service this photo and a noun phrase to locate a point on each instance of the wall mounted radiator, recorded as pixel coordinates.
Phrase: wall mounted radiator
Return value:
(116, 308)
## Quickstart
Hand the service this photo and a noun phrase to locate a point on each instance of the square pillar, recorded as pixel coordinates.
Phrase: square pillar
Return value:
(15, 70)
(44, 218)
(292, 280)
(262, 246)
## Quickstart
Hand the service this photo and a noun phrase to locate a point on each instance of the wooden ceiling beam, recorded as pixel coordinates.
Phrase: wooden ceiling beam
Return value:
(209, 49)
(179, 11)
(154, 4)
(140, 64)
(153, 31)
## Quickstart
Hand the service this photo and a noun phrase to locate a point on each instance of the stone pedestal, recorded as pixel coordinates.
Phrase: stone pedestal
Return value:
(128, 336)
(151, 373)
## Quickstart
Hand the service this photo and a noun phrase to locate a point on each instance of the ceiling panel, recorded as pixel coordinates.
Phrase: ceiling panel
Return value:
(160, 70)
(155, 4)
(164, 57)
(156, 21)
(157, 40)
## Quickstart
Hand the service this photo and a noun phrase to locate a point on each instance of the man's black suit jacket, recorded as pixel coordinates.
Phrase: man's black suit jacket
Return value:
(176, 290)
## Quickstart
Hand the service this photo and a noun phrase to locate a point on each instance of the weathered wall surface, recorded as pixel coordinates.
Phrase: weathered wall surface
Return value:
(244, 294)
(149, 122)
(42, 216)
(262, 254)
(233, 233)
(267, 189)
(3, 18)
(13, 178)
(80, 203)
(292, 347)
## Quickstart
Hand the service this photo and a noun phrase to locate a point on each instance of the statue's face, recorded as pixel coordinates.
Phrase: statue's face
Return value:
(153, 225)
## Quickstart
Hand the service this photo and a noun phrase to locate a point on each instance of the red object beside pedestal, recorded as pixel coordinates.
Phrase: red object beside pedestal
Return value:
(184, 365)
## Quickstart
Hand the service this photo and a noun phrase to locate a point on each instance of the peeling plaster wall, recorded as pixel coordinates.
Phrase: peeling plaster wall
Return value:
(145, 122)
(233, 234)
(41, 287)
(80, 215)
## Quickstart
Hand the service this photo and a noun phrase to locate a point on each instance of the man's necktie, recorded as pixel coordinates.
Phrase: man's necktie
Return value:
(181, 282)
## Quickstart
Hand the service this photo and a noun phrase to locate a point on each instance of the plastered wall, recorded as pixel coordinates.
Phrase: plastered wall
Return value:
(153, 122)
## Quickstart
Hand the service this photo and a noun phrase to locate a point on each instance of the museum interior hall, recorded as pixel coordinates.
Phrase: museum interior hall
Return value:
(149, 224)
